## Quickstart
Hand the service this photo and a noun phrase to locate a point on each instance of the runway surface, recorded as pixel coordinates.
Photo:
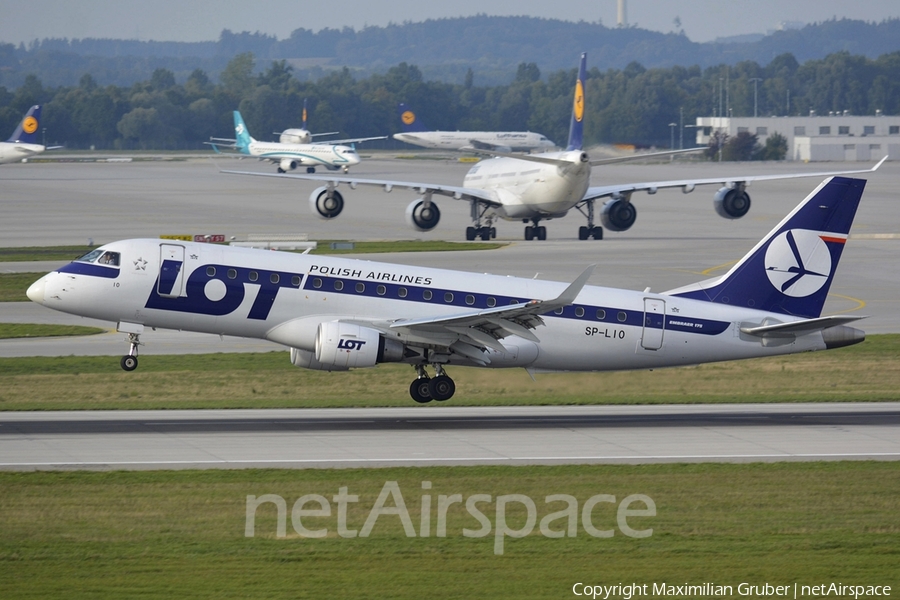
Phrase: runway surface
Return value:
(447, 435)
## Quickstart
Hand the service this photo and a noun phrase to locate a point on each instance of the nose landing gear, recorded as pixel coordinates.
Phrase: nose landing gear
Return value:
(424, 389)
(129, 362)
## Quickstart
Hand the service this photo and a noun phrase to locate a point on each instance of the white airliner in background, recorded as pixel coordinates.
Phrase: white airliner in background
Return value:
(336, 313)
(415, 132)
(23, 143)
(289, 156)
(305, 136)
(536, 187)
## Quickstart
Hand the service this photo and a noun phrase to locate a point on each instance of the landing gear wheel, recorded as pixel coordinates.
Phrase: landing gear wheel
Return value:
(529, 233)
(485, 233)
(419, 389)
(597, 233)
(493, 231)
(441, 388)
(540, 232)
(583, 233)
(310, 169)
(470, 233)
(280, 170)
(129, 363)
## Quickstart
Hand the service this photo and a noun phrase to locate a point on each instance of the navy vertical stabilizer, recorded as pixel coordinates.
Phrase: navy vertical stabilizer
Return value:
(791, 269)
(27, 131)
(576, 128)
(408, 120)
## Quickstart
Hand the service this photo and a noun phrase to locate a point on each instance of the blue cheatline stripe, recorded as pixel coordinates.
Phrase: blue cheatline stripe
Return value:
(90, 269)
(476, 301)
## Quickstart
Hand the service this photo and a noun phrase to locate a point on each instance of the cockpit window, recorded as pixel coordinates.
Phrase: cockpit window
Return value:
(109, 258)
(90, 256)
(101, 257)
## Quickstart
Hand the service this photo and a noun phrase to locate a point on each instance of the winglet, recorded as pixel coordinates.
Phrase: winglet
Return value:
(570, 293)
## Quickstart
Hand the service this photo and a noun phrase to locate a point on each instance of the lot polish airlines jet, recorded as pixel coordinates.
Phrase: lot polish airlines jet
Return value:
(537, 187)
(335, 313)
(23, 143)
(289, 156)
(415, 132)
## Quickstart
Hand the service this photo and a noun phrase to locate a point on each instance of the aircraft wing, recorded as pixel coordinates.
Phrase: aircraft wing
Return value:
(455, 192)
(688, 185)
(470, 332)
(348, 140)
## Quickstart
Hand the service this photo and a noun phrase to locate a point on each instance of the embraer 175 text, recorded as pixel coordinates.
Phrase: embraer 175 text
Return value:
(332, 156)
(537, 187)
(336, 313)
(23, 143)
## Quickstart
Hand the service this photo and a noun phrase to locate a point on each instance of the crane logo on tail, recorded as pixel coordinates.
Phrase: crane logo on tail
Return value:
(798, 262)
(408, 117)
(579, 101)
(29, 125)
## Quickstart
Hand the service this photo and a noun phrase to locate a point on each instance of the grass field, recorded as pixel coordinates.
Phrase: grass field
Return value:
(867, 372)
(182, 534)
(23, 330)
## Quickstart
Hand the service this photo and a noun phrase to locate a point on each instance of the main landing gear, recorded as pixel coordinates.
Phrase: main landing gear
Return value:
(485, 232)
(535, 232)
(591, 231)
(424, 389)
(129, 362)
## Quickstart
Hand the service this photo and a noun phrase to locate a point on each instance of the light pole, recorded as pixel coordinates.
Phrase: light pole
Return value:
(672, 127)
(755, 81)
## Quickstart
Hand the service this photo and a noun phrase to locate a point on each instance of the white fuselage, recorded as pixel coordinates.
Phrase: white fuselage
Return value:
(16, 151)
(525, 189)
(284, 297)
(514, 141)
(306, 155)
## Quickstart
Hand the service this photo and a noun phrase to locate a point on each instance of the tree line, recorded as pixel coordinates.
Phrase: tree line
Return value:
(634, 105)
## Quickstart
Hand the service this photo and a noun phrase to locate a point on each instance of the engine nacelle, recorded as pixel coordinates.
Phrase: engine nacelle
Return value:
(732, 203)
(325, 205)
(287, 164)
(307, 360)
(421, 217)
(295, 136)
(346, 346)
(618, 214)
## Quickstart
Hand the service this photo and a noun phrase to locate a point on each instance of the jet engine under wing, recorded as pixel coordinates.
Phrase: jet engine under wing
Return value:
(688, 185)
(484, 328)
(457, 193)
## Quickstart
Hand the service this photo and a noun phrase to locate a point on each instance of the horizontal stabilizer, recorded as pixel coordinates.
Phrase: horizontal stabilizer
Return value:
(794, 328)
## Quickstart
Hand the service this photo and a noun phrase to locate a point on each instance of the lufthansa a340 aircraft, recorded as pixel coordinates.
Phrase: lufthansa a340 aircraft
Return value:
(335, 314)
(332, 156)
(537, 187)
(23, 143)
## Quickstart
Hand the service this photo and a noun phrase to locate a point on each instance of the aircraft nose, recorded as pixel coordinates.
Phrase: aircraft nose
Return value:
(35, 291)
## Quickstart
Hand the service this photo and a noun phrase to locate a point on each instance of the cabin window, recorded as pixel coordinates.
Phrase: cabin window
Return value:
(448, 297)
(426, 295)
(274, 278)
(317, 283)
(491, 302)
(338, 285)
(360, 287)
(210, 271)
(470, 299)
(579, 312)
(381, 290)
(402, 292)
(601, 314)
(232, 274)
(253, 276)
(295, 281)
(621, 316)
(558, 311)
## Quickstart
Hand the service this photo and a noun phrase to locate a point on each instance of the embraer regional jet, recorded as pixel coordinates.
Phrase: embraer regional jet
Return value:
(336, 314)
(23, 143)
(537, 187)
(289, 156)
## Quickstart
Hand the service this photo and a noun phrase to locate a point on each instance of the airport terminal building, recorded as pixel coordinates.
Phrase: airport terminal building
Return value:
(836, 137)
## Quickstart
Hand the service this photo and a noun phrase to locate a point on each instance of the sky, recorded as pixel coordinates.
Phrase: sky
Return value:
(203, 20)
